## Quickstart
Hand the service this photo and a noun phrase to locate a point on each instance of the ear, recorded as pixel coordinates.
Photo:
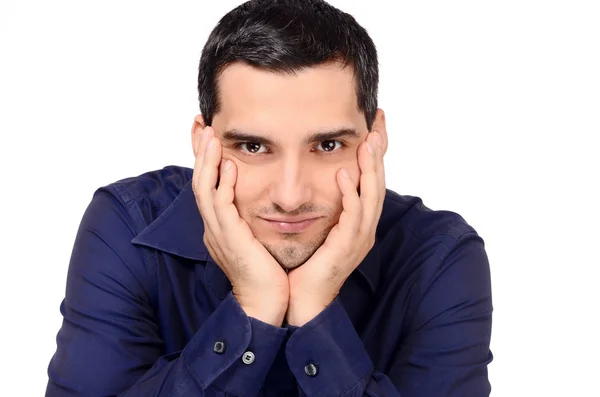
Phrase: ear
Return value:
(379, 126)
(197, 128)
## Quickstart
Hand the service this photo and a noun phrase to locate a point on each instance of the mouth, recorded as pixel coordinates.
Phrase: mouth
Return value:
(290, 225)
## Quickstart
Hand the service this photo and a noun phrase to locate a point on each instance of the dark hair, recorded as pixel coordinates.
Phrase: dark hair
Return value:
(285, 36)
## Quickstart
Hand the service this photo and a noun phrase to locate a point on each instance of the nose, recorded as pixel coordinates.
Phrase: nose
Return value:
(290, 187)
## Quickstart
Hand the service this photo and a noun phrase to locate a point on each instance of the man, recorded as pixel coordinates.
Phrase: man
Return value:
(280, 265)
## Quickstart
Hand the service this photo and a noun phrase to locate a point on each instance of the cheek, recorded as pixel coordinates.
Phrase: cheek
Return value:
(328, 185)
(248, 186)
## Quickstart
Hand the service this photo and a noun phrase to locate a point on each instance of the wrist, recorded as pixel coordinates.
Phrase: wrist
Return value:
(266, 315)
(268, 309)
(301, 311)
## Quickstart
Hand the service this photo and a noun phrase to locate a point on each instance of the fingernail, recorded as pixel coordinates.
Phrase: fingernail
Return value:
(370, 148)
(378, 139)
(345, 173)
(228, 165)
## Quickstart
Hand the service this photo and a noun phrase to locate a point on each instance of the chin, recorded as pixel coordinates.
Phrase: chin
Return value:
(291, 253)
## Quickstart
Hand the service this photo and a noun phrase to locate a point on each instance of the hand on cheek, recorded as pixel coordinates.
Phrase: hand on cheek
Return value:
(258, 282)
(314, 285)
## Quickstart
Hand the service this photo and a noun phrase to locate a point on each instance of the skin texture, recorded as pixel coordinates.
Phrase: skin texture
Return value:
(291, 175)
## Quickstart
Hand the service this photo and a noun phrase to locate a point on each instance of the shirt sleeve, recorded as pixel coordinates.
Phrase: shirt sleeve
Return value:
(328, 358)
(445, 355)
(110, 343)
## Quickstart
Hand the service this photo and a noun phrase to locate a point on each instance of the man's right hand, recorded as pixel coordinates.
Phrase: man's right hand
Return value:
(258, 282)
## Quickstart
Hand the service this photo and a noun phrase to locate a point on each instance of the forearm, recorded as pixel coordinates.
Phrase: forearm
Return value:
(242, 359)
(210, 364)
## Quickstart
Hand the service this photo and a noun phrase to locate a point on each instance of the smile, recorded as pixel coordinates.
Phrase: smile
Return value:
(290, 226)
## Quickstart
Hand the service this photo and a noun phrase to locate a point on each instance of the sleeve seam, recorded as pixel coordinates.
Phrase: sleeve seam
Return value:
(358, 383)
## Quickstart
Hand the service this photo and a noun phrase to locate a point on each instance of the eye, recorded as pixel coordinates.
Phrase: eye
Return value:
(329, 146)
(252, 147)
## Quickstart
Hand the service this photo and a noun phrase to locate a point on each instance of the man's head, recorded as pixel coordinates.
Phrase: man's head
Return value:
(290, 88)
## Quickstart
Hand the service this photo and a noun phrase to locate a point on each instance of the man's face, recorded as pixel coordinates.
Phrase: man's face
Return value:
(270, 125)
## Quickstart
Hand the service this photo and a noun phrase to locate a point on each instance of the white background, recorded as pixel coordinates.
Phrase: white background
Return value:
(492, 110)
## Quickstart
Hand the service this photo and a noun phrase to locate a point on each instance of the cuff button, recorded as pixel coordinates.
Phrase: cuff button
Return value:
(248, 357)
(311, 370)
(219, 347)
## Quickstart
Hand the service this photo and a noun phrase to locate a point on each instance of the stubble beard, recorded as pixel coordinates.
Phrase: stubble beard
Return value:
(291, 253)
(291, 250)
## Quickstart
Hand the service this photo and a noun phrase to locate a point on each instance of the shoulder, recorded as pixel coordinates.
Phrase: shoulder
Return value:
(410, 216)
(165, 183)
(416, 240)
(148, 195)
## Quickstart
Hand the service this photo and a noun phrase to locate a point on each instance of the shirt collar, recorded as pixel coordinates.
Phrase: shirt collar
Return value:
(179, 231)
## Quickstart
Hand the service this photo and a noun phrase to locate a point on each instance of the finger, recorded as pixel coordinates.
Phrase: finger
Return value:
(380, 170)
(200, 148)
(213, 249)
(380, 166)
(350, 218)
(370, 192)
(206, 134)
(225, 210)
(381, 179)
(207, 180)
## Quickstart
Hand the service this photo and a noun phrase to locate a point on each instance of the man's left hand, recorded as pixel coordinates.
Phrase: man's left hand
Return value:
(315, 284)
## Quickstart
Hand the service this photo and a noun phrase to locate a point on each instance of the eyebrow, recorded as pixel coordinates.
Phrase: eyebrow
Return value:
(315, 137)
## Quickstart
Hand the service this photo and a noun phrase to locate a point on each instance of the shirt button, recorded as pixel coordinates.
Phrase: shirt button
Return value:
(219, 347)
(311, 370)
(248, 358)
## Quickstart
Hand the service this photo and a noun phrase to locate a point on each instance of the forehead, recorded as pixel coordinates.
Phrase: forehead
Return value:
(321, 97)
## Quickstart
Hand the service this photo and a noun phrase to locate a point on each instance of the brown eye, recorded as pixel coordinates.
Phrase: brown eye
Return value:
(329, 146)
(252, 147)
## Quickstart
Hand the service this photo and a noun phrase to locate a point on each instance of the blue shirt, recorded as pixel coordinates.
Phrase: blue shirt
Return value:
(147, 312)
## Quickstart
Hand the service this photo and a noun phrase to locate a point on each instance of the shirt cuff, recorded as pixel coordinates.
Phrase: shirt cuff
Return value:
(233, 352)
(326, 355)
